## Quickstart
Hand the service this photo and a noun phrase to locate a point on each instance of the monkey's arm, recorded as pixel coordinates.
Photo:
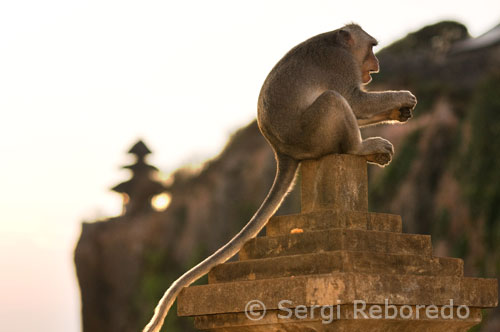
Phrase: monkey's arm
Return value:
(375, 107)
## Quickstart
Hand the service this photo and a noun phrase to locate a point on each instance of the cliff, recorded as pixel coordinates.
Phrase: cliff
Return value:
(125, 264)
(444, 181)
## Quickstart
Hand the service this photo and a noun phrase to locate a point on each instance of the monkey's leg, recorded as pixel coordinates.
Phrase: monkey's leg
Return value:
(330, 126)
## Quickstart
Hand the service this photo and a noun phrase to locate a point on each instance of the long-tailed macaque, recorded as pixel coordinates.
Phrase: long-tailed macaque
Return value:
(311, 104)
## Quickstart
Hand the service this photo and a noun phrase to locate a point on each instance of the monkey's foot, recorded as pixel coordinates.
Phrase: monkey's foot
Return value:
(377, 150)
(381, 159)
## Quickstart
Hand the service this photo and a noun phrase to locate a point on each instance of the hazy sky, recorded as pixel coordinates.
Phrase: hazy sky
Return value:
(80, 81)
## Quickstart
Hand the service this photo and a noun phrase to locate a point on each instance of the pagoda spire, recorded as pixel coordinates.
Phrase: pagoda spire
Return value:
(142, 187)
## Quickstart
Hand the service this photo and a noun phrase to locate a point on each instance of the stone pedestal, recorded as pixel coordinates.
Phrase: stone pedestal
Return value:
(337, 267)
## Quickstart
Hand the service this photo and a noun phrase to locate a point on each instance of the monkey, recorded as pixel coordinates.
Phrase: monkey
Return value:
(311, 104)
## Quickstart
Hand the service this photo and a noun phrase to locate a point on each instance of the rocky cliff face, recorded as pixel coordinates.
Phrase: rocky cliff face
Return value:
(125, 264)
(444, 181)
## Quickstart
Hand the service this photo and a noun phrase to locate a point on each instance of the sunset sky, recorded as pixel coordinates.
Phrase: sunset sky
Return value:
(81, 81)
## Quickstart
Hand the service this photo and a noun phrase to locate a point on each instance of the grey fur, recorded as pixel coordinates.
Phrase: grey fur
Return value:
(311, 104)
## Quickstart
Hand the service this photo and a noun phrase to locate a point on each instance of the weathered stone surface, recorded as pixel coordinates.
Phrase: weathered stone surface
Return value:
(336, 253)
(337, 239)
(335, 261)
(338, 288)
(338, 182)
(273, 321)
(326, 219)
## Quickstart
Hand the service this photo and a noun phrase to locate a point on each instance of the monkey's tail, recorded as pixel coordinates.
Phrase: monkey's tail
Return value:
(285, 174)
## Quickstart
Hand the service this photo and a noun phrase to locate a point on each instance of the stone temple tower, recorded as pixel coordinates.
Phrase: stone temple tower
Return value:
(142, 187)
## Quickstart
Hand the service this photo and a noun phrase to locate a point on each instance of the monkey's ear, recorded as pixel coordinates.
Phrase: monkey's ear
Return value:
(346, 37)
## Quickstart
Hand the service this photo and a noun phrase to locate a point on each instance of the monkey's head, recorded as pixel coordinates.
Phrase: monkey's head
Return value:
(361, 46)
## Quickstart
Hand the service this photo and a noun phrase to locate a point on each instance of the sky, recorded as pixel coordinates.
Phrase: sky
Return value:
(81, 81)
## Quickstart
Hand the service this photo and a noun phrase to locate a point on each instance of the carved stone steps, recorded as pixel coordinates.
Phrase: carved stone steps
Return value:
(338, 288)
(337, 239)
(335, 261)
(335, 254)
(345, 322)
(326, 219)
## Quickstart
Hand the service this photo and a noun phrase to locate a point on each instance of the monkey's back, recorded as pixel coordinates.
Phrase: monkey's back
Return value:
(302, 75)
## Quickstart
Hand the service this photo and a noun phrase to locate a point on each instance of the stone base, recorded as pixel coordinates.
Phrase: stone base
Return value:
(336, 255)
(328, 321)
(338, 288)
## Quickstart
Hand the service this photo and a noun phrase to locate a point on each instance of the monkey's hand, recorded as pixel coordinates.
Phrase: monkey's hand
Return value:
(407, 103)
(405, 114)
(402, 114)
